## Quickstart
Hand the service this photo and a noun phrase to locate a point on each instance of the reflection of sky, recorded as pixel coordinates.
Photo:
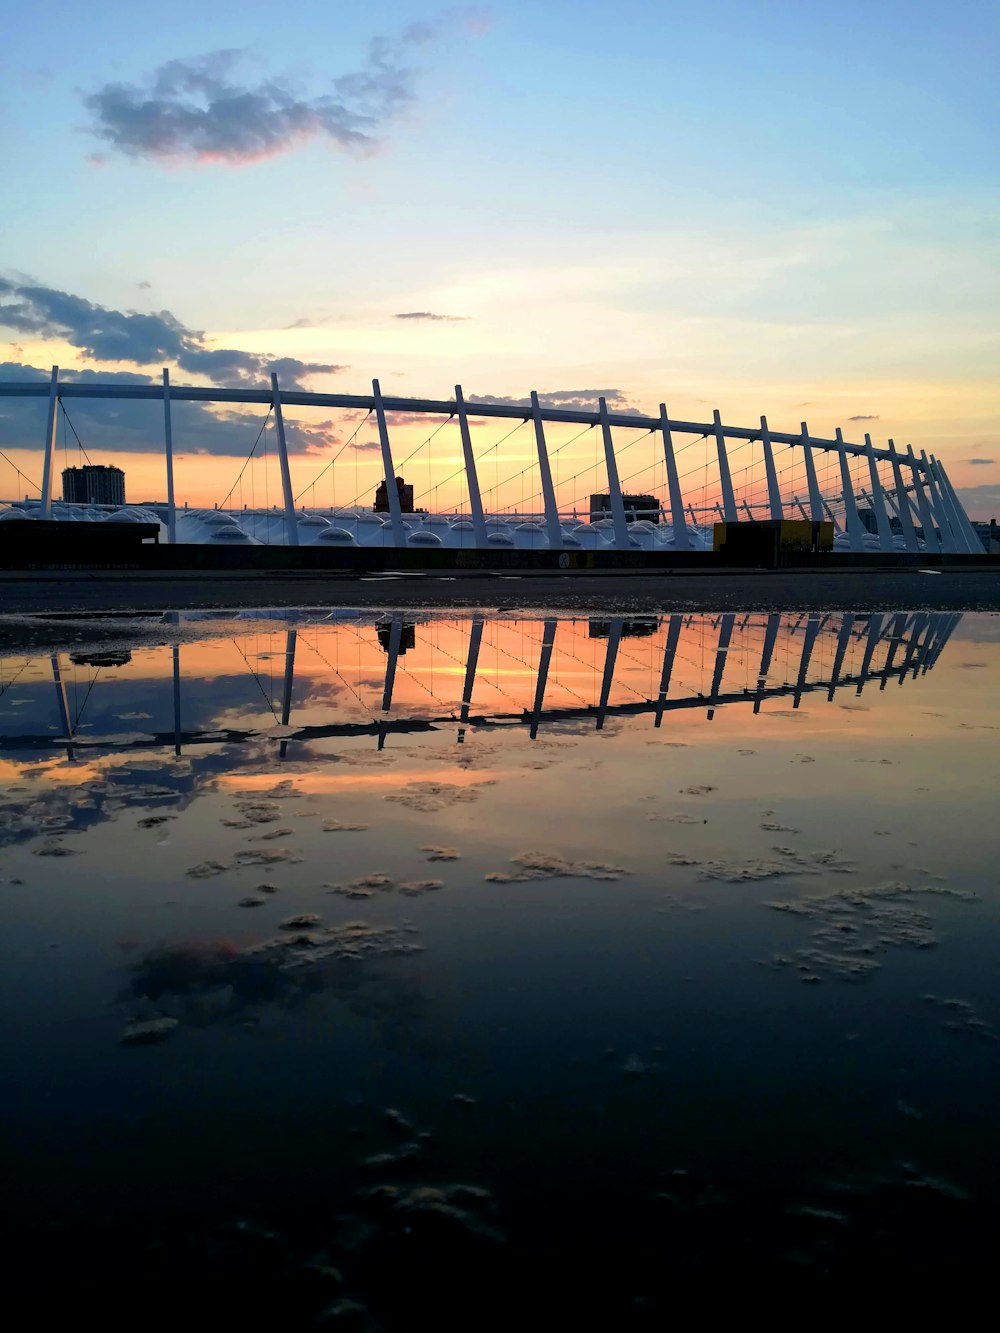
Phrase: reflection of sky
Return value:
(533, 995)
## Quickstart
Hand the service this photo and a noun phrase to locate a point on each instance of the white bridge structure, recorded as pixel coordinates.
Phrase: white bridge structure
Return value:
(878, 499)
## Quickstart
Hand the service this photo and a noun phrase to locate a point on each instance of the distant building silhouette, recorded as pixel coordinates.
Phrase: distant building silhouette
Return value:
(94, 484)
(636, 507)
(405, 493)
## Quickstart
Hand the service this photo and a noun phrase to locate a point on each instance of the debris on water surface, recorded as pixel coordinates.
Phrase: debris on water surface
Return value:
(856, 925)
(430, 796)
(303, 921)
(152, 821)
(413, 887)
(778, 828)
(267, 888)
(963, 1016)
(338, 826)
(363, 886)
(261, 856)
(252, 900)
(146, 1032)
(542, 865)
(697, 789)
(54, 849)
(442, 853)
(274, 833)
(206, 869)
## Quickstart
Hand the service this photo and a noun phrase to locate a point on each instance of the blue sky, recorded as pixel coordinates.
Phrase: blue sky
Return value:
(757, 205)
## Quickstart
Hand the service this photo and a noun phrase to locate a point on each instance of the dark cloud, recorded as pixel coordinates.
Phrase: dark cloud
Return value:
(863, 418)
(980, 502)
(204, 109)
(123, 425)
(979, 462)
(302, 323)
(573, 400)
(144, 339)
(367, 446)
(144, 286)
(429, 315)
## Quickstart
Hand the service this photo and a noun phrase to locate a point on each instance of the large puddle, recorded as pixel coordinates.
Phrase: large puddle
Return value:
(415, 971)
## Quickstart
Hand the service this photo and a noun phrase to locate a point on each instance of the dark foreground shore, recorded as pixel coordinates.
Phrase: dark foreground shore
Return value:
(91, 604)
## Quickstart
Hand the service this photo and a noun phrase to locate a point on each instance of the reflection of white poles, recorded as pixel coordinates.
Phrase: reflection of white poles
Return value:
(874, 635)
(472, 662)
(729, 514)
(669, 654)
(392, 657)
(721, 652)
(392, 494)
(548, 640)
(168, 451)
(681, 539)
(610, 658)
(176, 655)
(291, 527)
(471, 476)
(61, 704)
(766, 655)
(808, 639)
(882, 523)
(50, 444)
(855, 536)
(614, 485)
(847, 625)
(286, 693)
(545, 474)
(773, 489)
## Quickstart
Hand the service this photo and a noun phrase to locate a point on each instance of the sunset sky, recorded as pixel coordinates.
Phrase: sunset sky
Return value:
(766, 207)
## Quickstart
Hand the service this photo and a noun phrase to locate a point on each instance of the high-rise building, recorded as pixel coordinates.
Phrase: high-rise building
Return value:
(94, 484)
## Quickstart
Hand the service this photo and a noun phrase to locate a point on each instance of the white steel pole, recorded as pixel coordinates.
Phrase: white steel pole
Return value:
(545, 472)
(50, 444)
(854, 533)
(471, 476)
(681, 540)
(878, 500)
(962, 543)
(976, 545)
(392, 494)
(923, 508)
(902, 504)
(291, 527)
(168, 445)
(938, 507)
(729, 514)
(773, 490)
(614, 485)
(815, 500)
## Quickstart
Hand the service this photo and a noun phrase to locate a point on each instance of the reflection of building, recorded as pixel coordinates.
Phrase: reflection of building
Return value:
(108, 659)
(407, 638)
(630, 629)
(405, 493)
(636, 506)
(94, 484)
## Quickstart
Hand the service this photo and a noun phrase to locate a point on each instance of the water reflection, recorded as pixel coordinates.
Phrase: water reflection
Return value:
(364, 964)
(514, 673)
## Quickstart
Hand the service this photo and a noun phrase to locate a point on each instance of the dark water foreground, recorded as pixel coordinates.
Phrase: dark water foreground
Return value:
(434, 971)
